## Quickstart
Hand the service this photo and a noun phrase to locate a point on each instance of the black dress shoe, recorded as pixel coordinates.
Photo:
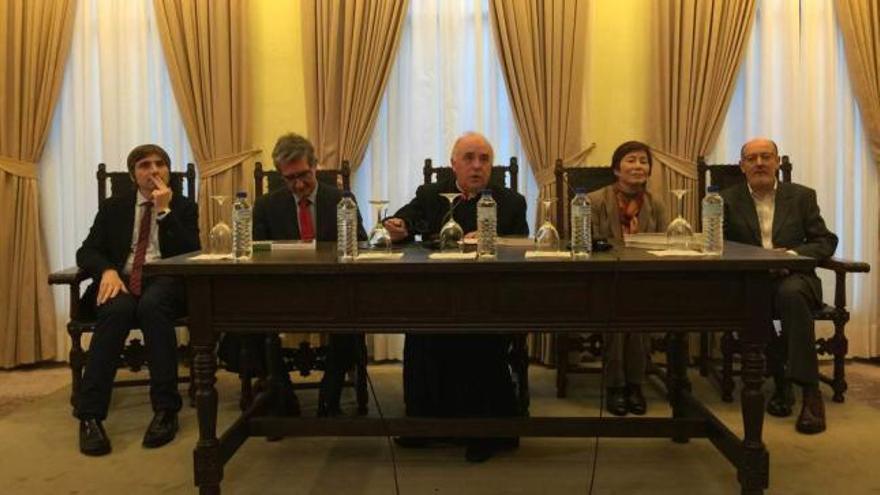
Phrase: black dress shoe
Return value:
(781, 402)
(162, 429)
(635, 401)
(93, 439)
(479, 450)
(812, 417)
(615, 401)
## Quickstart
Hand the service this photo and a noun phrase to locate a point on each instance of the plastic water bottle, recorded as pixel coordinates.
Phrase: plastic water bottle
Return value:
(713, 222)
(242, 245)
(346, 228)
(581, 225)
(487, 226)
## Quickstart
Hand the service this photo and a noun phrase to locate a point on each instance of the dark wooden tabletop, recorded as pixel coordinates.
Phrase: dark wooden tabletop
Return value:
(736, 257)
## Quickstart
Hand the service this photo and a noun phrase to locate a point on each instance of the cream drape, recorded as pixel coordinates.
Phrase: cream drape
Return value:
(541, 46)
(859, 22)
(696, 54)
(204, 46)
(348, 51)
(36, 40)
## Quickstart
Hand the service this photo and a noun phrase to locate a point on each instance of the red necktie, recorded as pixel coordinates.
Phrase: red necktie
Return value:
(306, 228)
(140, 251)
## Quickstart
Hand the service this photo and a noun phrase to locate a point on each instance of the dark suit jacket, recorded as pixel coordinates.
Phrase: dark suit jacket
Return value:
(797, 224)
(425, 213)
(275, 217)
(109, 241)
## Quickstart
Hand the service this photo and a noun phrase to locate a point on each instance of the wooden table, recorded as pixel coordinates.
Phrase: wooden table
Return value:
(625, 288)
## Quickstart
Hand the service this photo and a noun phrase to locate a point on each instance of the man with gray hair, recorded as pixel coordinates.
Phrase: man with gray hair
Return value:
(305, 209)
(460, 375)
(784, 217)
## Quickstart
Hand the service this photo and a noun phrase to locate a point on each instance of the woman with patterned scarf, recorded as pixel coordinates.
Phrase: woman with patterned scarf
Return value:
(626, 207)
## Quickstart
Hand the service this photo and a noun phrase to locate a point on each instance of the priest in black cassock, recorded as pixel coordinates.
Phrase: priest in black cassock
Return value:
(460, 375)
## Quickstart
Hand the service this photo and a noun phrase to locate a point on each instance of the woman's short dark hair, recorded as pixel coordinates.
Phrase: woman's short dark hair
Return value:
(143, 151)
(291, 147)
(627, 148)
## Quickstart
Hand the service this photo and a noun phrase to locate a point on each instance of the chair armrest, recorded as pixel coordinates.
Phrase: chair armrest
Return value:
(842, 265)
(68, 276)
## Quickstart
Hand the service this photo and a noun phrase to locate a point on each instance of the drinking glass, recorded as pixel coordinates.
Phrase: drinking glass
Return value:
(547, 238)
(679, 234)
(380, 238)
(220, 239)
(451, 233)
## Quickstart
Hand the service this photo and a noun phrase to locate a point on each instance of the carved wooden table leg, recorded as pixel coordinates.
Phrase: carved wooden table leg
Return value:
(753, 474)
(678, 380)
(208, 466)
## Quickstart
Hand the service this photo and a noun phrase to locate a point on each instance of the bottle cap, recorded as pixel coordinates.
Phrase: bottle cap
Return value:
(580, 190)
(714, 188)
(486, 191)
(241, 194)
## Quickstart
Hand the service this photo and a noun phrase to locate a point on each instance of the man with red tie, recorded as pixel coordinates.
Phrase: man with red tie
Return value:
(306, 210)
(130, 229)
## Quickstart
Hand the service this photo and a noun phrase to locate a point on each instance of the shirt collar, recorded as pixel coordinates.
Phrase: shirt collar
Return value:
(141, 199)
(312, 196)
(770, 195)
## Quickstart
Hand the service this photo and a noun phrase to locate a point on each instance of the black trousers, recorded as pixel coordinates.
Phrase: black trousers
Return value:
(343, 353)
(162, 300)
(796, 295)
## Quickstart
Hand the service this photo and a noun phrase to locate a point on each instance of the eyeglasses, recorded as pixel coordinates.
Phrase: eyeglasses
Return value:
(304, 176)
(765, 157)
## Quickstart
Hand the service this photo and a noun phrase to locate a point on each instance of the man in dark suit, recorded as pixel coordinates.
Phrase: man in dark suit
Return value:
(765, 212)
(460, 375)
(306, 210)
(130, 229)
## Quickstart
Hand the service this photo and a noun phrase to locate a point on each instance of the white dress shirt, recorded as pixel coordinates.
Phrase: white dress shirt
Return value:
(765, 206)
(153, 252)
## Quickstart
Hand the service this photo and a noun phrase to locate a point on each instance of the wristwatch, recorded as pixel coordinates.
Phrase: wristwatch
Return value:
(163, 213)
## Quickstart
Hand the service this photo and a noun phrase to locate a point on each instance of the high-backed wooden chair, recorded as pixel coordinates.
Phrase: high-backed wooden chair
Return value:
(502, 175)
(82, 319)
(727, 175)
(519, 356)
(567, 180)
(304, 359)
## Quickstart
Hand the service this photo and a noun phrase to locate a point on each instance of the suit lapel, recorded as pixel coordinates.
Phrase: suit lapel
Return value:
(612, 213)
(781, 210)
(746, 206)
(126, 227)
(325, 212)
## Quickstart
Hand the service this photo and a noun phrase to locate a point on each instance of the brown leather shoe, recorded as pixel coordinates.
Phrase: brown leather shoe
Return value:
(812, 417)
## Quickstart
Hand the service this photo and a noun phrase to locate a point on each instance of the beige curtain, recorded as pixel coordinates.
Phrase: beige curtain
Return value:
(348, 51)
(541, 47)
(35, 38)
(697, 49)
(859, 22)
(204, 46)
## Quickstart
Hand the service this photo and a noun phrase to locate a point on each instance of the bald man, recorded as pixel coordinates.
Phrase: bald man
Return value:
(764, 212)
(460, 375)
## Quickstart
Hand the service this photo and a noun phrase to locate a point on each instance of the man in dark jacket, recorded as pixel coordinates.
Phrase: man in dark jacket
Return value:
(303, 210)
(779, 216)
(148, 223)
(460, 375)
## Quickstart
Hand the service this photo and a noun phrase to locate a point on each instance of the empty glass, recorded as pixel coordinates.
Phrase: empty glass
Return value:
(547, 238)
(679, 234)
(380, 238)
(220, 239)
(451, 233)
